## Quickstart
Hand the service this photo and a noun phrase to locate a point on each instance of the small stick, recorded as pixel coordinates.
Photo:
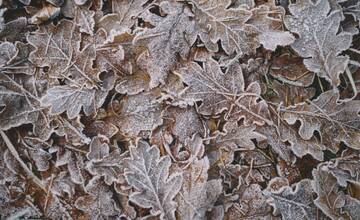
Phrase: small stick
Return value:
(352, 82)
(13, 151)
(48, 192)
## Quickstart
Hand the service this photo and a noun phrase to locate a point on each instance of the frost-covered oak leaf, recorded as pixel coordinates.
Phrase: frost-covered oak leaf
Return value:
(166, 41)
(346, 169)
(216, 21)
(154, 187)
(98, 204)
(269, 26)
(331, 200)
(218, 91)
(336, 121)
(123, 15)
(197, 194)
(249, 204)
(320, 41)
(20, 103)
(183, 123)
(236, 136)
(137, 113)
(105, 163)
(72, 98)
(58, 47)
(251, 107)
(294, 204)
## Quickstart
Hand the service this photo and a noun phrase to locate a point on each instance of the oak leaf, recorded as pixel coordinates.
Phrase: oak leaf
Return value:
(166, 41)
(154, 187)
(335, 120)
(319, 41)
(294, 204)
(197, 194)
(98, 204)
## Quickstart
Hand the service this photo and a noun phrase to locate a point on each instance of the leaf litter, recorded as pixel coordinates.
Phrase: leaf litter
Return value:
(179, 109)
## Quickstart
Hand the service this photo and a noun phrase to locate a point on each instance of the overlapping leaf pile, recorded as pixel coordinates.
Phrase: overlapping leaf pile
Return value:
(179, 109)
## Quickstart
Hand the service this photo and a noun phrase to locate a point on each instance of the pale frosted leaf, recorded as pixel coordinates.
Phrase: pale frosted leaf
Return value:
(7, 52)
(58, 47)
(73, 161)
(274, 140)
(61, 184)
(249, 205)
(38, 154)
(14, 30)
(16, 62)
(72, 130)
(294, 203)
(98, 204)
(72, 99)
(182, 123)
(105, 163)
(197, 194)
(319, 40)
(84, 18)
(346, 169)
(335, 120)
(166, 41)
(215, 21)
(330, 199)
(57, 210)
(251, 107)
(235, 136)
(136, 113)
(99, 148)
(269, 26)
(284, 137)
(124, 14)
(218, 91)
(148, 174)
(57, 3)
(20, 104)
(80, 2)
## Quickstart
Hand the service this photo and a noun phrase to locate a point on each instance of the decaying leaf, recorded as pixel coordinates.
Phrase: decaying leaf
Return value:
(46, 13)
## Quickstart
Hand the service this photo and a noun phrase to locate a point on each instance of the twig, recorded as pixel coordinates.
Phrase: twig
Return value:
(48, 192)
(286, 81)
(351, 79)
(13, 151)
